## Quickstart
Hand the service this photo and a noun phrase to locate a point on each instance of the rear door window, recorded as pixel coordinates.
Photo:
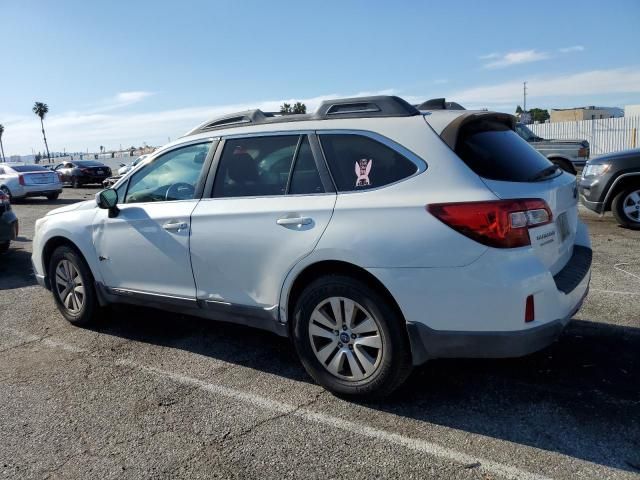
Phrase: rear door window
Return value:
(359, 163)
(494, 151)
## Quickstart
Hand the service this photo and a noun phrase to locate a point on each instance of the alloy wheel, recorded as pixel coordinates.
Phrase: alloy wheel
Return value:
(69, 286)
(631, 206)
(345, 338)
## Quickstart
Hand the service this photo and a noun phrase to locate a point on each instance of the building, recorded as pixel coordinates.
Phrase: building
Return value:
(632, 110)
(584, 113)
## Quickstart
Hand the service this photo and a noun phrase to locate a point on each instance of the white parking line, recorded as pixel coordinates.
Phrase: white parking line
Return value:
(416, 444)
(616, 292)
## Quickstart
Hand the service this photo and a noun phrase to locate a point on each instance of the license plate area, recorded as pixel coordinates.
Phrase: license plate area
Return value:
(563, 226)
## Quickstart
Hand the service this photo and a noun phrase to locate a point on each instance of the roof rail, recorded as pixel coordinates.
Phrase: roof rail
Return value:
(439, 104)
(376, 106)
(359, 107)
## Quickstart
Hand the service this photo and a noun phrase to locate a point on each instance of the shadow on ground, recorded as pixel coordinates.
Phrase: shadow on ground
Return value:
(15, 267)
(581, 392)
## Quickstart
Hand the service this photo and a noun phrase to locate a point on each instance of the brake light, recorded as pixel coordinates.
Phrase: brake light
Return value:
(583, 152)
(21, 179)
(499, 224)
(529, 310)
(85, 170)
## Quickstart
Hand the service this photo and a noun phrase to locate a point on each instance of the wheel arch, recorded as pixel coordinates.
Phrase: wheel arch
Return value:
(55, 242)
(620, 183)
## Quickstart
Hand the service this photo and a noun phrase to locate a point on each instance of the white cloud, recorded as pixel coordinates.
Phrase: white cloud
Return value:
(513, 58)
(132, 97)
(489, 56)
(575, 48)
(593, 83)
(79, 131)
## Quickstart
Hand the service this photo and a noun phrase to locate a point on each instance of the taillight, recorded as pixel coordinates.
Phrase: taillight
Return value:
(583, 152)
(500, 223)
(85, 170)
(21, 179)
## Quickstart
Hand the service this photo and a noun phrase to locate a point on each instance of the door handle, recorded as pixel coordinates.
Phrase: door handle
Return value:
(285, 221)
(177, 226)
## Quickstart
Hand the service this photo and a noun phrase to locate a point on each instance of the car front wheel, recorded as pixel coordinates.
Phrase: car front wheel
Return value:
(626, 207)
(72, 286)
(349, 339)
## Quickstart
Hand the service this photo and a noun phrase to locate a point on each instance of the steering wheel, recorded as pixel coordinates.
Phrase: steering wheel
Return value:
(180, 191)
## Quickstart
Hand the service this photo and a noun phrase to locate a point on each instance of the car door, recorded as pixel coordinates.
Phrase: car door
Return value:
(144, 249)
(268, 206)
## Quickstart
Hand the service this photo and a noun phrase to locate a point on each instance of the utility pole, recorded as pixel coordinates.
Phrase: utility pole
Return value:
(525, 96)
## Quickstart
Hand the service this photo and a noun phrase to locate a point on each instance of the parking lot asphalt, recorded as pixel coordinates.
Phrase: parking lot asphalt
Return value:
(147, 394)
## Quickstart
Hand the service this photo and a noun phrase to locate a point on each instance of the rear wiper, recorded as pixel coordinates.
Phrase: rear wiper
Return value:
(545, 172)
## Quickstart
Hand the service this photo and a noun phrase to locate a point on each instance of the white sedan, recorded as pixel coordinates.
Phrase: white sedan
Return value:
(19, 181)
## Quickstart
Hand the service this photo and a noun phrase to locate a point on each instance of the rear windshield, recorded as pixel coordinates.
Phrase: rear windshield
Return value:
(29, 168)
(494, 151)
(88, 163)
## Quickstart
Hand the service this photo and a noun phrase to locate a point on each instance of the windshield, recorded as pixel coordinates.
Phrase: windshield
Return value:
(29, 168)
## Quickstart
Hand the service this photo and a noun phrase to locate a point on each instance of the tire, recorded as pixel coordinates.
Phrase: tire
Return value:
(88, 310)
(4, 247)
(53, 196)
(6, 191)
(75, 183)
(564, 165)
(391, 362)
(626, 207)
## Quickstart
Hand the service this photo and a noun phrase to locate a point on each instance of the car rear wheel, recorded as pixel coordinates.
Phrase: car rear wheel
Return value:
(53, 196)
(75, 183)
(4, 247)
(349, 339)
(72, 286)
(626, 207)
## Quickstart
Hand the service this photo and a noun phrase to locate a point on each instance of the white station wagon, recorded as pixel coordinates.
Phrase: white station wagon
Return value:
(373, 233)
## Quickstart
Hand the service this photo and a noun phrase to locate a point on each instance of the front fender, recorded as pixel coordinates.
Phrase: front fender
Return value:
(77, 231)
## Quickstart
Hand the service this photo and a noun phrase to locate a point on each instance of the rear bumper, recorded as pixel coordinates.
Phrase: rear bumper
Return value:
(92, 178)
(8, 223)
(37, 190)
(427, 343)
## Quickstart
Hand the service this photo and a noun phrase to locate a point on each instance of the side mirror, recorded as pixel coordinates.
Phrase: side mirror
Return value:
(108, 199)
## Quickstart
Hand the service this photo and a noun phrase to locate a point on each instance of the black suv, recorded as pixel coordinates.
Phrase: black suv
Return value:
(82, 172)
(612, 182)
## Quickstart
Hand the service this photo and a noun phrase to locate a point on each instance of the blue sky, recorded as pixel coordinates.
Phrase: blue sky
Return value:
(128, 72)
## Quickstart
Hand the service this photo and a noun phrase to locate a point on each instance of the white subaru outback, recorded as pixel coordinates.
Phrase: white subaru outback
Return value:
(373, 233)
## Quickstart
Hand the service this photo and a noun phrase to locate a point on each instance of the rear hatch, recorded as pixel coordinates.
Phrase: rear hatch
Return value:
(512, 169)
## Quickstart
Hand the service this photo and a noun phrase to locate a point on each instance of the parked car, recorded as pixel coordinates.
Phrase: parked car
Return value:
(8, 223)
(125, 168)
(612, 183)
(375, 235)
(19, 181)
(82, 172)
(570, 155)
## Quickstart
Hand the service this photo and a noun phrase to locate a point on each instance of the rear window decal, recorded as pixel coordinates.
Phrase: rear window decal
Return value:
(363, 168)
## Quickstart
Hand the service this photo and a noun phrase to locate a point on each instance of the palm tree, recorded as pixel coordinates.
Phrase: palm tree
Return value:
(41, 109)
(1, 147)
